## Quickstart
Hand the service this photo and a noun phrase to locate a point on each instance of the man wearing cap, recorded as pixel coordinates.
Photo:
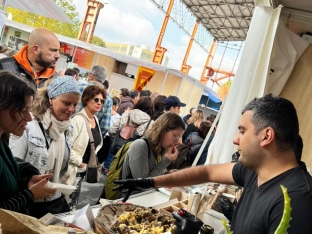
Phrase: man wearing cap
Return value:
(36, 61)
(97, 76)
(172, 103)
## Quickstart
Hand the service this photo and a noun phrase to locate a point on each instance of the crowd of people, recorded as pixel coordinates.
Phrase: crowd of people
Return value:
(51, 124)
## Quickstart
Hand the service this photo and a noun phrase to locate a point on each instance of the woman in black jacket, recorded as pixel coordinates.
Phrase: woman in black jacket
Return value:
(21, 188)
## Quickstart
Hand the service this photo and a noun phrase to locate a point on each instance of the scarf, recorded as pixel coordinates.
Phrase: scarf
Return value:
(9, 173)
(56, 150)
(21, 58)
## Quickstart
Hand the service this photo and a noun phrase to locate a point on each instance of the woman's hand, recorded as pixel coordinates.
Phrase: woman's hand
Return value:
(82, 165)
(36, 178)
(172, 153)
(39, 190)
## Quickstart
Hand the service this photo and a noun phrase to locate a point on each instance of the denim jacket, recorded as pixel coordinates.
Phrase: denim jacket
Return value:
(31, 146)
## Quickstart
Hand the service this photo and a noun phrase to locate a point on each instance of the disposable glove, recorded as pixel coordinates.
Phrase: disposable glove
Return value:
(132, 185)
(186, 222)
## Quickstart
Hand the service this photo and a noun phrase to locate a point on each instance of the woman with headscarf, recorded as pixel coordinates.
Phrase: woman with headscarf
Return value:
(18, 189)
(47, 141)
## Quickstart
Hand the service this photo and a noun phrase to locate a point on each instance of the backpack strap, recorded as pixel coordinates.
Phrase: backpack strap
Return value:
(149, 153)
(147, 128)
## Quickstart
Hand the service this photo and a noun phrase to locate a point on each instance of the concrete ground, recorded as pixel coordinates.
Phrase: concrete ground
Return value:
(90, 193)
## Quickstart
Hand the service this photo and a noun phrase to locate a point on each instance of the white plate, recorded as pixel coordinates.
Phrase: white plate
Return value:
(64, 188)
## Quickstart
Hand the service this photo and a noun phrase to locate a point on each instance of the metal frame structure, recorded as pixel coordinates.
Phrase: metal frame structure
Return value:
(223, 20)
(186, 20)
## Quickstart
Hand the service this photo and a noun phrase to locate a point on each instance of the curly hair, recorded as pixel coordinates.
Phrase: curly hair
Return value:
(165, 123)
(13, 90)
(90, 92)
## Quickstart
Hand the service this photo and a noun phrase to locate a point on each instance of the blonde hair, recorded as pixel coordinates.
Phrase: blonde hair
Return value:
(166, 122)
(197, 116)
(41, 103)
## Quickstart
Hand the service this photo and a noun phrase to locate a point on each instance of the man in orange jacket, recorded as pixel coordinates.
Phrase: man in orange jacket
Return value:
(36, 61)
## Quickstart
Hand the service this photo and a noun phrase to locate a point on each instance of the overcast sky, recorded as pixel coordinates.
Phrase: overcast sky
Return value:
(138, 22)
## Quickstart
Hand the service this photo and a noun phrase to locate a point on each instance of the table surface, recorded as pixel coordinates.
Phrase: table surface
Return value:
(148, 199)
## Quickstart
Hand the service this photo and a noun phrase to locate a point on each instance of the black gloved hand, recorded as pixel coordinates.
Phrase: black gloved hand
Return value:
(133, 184)
(226, 207)
(186, 222)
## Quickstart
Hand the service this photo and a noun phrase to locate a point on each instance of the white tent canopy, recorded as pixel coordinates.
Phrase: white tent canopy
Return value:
(269, 45)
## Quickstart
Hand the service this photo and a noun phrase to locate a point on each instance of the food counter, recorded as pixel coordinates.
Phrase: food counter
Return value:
(148, 199)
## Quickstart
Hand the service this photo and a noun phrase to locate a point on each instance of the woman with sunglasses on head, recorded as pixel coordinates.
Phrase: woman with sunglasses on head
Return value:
(47, 142)
(19, 189)
(144, 160)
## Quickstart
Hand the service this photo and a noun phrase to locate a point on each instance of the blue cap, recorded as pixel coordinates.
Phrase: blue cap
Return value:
(173, 101)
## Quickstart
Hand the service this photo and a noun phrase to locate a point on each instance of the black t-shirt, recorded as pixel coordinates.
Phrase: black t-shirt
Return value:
(259, 210)
(97, 140)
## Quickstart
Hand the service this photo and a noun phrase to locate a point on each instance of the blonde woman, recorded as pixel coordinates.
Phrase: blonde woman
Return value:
(47, 141)
(193, 123)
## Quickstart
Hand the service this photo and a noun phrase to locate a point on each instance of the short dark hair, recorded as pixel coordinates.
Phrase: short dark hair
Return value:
(279, 114)
(124, 92)
(70, 72)
(116, 101)
(145, 93)
(106, 84)
(203, 130)
(90, 92)
(13, 90)
(134, 93)
(298, 148)
(144, 104)
(76, 69)
(159, 103)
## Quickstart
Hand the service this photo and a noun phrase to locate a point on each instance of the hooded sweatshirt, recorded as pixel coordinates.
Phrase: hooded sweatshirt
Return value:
(125, 103)
(22, 60)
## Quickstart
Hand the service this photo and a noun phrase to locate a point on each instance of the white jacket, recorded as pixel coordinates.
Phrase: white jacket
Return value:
(80, 143)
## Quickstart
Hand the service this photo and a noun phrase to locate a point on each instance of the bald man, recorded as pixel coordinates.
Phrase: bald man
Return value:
(36, 61)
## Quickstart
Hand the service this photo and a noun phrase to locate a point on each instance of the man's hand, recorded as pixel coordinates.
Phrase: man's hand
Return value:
(36, 178)
(133, 184)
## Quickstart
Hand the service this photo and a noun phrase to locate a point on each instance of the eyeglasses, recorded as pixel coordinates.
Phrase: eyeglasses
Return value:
(177, 137)
(99, 100)
(90, 73)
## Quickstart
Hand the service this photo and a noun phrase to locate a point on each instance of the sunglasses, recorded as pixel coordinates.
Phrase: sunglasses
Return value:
(99, 100)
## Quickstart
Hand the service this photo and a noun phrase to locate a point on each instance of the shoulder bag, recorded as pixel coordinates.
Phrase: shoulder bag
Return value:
(93, 173)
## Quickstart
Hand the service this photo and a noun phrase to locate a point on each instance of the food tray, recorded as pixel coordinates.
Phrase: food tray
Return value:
(107, 216)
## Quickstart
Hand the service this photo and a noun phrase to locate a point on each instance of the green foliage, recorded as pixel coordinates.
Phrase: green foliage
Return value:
(284, 224)
(98, 41)
(224, 89)
(66, 29)
(226, 227)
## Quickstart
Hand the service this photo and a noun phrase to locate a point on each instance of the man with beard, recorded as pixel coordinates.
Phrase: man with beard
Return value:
(267, 134)
(36, 61)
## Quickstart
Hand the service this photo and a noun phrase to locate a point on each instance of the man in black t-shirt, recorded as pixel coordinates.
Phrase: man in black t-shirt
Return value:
(268, 132)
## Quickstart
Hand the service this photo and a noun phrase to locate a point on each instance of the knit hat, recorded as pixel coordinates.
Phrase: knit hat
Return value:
(62, 85)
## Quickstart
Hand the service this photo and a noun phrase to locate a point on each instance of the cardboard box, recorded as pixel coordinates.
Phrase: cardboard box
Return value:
(178, 194)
